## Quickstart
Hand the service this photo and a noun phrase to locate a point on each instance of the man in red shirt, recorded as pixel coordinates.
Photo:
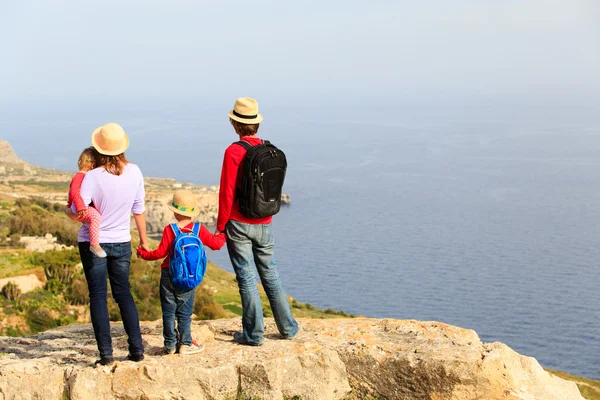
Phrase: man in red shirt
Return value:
(250, 240)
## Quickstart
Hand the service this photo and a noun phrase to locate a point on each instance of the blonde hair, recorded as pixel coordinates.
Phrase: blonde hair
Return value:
(244, 129)
(87, 159)
(113, 164)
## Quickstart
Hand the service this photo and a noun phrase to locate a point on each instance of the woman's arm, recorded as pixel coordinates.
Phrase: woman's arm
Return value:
(163, 248)
(139, 212)
(71, 214)
(140, 223)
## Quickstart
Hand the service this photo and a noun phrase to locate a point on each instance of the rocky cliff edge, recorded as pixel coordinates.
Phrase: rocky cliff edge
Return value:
(329, 359)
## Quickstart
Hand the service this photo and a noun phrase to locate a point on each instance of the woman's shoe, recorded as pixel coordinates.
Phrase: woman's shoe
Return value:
(135, 358)
(98, 253)
(105, 361)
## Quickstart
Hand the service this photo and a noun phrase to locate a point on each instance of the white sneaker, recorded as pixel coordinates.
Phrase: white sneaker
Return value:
(99, 254)
(194, 348)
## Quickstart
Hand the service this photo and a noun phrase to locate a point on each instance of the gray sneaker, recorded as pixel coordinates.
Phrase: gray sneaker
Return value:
(186, 349)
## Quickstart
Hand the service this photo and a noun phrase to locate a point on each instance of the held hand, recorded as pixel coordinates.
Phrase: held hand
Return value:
(81, 214)
(144, 246)
(217, 231)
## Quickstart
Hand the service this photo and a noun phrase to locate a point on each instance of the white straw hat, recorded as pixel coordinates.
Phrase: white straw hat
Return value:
(245, 111)
(110, 139)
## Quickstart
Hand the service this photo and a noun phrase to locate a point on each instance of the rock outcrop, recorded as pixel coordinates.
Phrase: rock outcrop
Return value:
(329, 359)
(7, 154)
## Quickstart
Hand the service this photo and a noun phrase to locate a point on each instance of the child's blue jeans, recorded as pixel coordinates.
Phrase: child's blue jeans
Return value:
(178, 304)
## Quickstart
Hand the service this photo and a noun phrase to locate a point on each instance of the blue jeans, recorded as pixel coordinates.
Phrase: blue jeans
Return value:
(117, 265)
(175, 303)
(252, 246)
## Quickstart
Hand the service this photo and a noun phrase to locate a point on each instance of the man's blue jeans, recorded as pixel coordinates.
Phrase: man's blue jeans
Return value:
(117, 265)
(252, 246)
(175, 303)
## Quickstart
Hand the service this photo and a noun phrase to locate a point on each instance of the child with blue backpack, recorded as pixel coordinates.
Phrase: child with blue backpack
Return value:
(183, 267)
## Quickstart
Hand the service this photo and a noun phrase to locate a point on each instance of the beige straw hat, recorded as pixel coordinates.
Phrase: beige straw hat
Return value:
(184, 203)
(110, 139)
(245, 110)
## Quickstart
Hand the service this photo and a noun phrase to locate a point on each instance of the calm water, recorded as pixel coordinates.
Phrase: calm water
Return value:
(486, 223)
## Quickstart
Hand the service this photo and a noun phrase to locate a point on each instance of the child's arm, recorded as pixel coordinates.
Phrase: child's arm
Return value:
(163, 249)
(75, 192)
(214, 242)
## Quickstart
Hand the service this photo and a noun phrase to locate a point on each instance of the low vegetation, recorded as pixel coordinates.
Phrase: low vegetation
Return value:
(35, 217)
(64, 298)
(589, 389)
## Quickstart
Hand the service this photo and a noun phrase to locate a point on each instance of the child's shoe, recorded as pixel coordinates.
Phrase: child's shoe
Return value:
(194, 348)
(98, 253)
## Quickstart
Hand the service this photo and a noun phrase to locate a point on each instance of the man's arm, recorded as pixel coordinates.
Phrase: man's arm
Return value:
(227, 188)
(213, 242)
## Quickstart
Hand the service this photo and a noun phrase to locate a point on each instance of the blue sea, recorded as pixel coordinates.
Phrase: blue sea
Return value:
(481, 216)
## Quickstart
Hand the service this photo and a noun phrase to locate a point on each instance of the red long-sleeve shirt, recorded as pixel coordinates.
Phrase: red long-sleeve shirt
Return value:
(229, 208)
(74, 189)
(166, 244)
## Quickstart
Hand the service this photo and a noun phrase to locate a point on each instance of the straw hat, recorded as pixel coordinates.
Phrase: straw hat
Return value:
(245, 111)
(110, 139)
(184, 203)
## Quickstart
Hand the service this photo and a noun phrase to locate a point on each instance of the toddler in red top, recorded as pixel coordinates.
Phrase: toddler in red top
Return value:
(85, 214)
(177, 303)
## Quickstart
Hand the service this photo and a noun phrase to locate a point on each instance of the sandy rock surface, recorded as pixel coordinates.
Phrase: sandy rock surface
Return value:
(329, 359)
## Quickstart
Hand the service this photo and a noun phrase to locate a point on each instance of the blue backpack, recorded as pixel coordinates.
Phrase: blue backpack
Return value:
(187, 263)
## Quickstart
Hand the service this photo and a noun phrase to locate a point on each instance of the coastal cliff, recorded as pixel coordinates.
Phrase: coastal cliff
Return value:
(329, 359)
(19, 178)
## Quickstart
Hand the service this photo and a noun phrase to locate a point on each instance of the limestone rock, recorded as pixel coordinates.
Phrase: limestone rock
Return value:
(329, 359)
(7, 154)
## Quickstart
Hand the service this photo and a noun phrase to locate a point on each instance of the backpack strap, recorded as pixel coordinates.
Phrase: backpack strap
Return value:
(244, 144)
(196, 229)
(176, 230)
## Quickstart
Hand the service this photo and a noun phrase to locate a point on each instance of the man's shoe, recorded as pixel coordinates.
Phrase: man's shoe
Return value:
(105, 361)
(240, 339)
(135, 358)
(186, 349)
(169, 351)
(288, 337)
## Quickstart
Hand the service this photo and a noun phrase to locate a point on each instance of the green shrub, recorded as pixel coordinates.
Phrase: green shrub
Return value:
(11, 291)
(14, 331)
(205, 306)
(41, 319)
(36, 217)
(60, 268)
(79, 294)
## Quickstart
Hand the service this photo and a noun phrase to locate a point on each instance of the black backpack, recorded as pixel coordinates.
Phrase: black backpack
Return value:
(259, 193)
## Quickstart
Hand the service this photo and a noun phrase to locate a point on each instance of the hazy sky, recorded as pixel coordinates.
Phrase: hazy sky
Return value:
(73, 49)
